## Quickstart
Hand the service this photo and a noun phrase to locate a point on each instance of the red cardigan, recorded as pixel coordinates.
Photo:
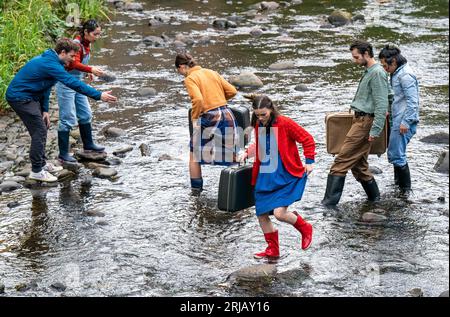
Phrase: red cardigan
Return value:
(288, 133)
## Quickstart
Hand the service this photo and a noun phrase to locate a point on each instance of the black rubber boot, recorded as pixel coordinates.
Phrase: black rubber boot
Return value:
(396, 172)
(86, 137)
(371, 189)
(196, 186)
(404, 179)
(63, 145)
(335, 186)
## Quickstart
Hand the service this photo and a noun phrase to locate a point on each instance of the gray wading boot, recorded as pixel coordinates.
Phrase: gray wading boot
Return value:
(404, 179)
(86, 137)
(371, 189)
(63, 145)
(335, 186)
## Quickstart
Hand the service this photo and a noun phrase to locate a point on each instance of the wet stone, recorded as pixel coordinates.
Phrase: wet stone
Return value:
(301, 87)
(154, 41)
(23, 287)
(93, 165)
(86, 180)
(205, 39)
(74, 167)
(436, 138)
(154, 22)
(145, 149)
(24, 172)
(102, 172)
(2, 288)
(114, 161)
(269, 5)
(416, 292)
(442, 164)
(256, 32)
(102, 223)
(65, 174)
(94, 213)
(340, 18)
(165, 157)
(108, 77)
(90, 156)
(359, 17)
(255, 272)
(122, 151)
(9, 186)
(147, 91)
(246, 79)
(375, 170)
(30, 183)
(282, 65)
(60, 287)
(131, 6)
(13, 204)
(224, 24)
(114, 132)
(373, 217)
(17, 179)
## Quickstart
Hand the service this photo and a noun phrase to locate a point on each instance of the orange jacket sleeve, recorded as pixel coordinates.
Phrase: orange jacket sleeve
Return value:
(229, 90)
(196, 98)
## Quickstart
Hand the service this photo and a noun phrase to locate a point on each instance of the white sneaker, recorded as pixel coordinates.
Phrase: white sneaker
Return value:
(42, 176)
(49, 167)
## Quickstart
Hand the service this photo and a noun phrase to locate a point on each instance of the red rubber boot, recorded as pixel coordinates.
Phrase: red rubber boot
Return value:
(273, 249)
(305, 229)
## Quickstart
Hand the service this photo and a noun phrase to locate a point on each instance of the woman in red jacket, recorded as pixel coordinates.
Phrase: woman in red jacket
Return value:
(278, 174)
(74, 108)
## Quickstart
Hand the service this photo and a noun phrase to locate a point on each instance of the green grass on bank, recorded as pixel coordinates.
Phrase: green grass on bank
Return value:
(28, 27)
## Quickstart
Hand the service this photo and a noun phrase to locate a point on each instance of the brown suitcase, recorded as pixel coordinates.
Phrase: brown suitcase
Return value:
(337, 126)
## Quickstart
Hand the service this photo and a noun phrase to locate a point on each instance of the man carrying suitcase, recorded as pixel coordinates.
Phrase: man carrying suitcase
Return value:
(370, 105)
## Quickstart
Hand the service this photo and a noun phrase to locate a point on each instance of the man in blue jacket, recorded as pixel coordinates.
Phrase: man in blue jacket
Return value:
(28, 95)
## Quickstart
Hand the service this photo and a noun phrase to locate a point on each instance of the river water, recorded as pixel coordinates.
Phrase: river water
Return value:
(157, 240)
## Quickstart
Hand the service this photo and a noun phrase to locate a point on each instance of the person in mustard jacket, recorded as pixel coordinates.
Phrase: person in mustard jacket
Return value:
(213, 140)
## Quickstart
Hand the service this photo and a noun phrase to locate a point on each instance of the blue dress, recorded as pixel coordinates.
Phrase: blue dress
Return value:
(278, 188)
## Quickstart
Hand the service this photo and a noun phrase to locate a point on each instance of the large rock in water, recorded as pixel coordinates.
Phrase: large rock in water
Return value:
(282, 65)
(437, 138)
(442, 163)
(114, 132)
(254, 272)
(373, 217)
(9, 186)
(269, 5)
(340, 17)
(103, 172)
(246, 79)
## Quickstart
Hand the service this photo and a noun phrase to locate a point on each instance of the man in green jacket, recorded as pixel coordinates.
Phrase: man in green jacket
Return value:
(370, 105)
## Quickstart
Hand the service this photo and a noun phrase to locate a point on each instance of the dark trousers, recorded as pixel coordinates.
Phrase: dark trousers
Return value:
(31, 114)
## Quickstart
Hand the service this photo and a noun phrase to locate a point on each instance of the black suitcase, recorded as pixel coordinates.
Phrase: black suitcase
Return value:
(235, 189)
(242, 116)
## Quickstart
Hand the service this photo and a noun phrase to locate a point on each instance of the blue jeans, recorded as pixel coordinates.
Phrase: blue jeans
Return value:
(397, 145)
(74, 108)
